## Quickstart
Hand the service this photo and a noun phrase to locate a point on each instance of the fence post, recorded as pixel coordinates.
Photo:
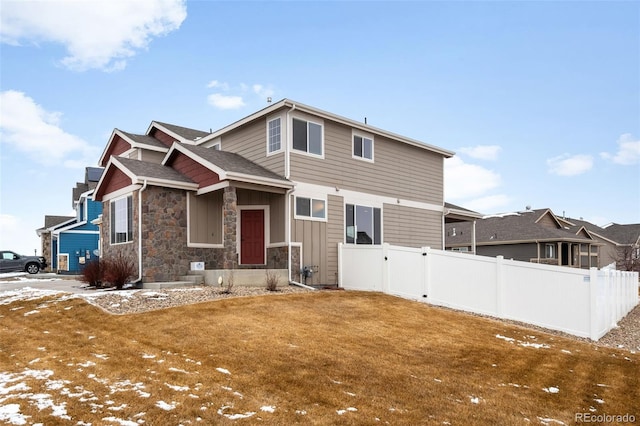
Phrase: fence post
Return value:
(339, 264)
(593, 304)
(499, 286)
(385, 268)
(426, 273)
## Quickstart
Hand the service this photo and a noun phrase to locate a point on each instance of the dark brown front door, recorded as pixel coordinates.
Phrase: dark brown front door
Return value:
(252, 237)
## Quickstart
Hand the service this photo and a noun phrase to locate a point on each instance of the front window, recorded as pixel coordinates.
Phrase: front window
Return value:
(550, 251)
(310, 208)
(363, 225)
(307, 136)
(122, 220)
(274, 138)
(362, 147)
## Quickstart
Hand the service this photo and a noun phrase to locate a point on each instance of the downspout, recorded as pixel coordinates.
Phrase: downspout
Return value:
(287, 174)
(144, 186)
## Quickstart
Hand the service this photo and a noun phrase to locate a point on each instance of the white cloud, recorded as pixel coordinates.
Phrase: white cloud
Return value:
(464, 181)
(628, 151)
(28, 127)
(482, 152)
(225, 102)
(490, 203)
(98, 35)
(218, 84)
(18, 234)
(262, 91)
(570, 165)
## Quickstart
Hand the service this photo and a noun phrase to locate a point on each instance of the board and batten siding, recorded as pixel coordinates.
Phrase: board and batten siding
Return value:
(250, 141)
(335, 235)
(276, 210)
(399, 170)
(205, 218)
(408, 226)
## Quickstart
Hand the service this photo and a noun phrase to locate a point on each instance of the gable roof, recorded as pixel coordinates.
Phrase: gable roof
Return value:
(455, 213)
(512, 228)
(228, 165)
(623, 234)
(184, 133)
(297, 106)
(52, 222)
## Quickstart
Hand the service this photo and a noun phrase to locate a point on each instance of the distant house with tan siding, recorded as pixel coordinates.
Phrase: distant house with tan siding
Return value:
(278, 189)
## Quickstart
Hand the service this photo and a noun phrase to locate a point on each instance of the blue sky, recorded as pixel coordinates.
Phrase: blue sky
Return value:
(540, 100)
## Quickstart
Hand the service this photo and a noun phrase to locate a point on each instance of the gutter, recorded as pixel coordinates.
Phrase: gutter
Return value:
(144, 186)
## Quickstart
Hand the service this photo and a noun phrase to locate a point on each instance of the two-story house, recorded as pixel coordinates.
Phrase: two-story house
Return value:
(72, 241)
(278, 189)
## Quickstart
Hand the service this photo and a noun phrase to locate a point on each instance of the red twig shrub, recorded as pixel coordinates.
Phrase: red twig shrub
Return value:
(118, 270)
(92, 273)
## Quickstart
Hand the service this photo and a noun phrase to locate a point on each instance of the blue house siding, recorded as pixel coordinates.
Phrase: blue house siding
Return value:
(77, 245)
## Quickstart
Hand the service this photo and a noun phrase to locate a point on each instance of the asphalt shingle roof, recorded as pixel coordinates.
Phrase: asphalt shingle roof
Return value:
(232, 162)
(185, 132)
(144, 140)
(50, 221)
(623, 234)
(153, 170)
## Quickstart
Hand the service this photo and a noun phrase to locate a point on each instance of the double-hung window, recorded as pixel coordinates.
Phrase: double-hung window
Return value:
(274, 135)
(310, 208)
(307, 136)
(363, 147)
(122, 220)
(363, 224)
(550, 251)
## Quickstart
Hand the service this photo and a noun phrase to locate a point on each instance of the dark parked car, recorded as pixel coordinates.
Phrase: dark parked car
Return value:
(13, 262)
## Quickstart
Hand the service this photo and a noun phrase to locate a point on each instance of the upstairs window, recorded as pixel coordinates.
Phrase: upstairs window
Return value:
(121, 220)
(362, 147)
(307, 136)
(310, 208)
(363, 225)
(274, 136)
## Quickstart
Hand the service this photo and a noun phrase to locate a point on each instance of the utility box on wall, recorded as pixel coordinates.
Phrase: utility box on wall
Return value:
(197, 266)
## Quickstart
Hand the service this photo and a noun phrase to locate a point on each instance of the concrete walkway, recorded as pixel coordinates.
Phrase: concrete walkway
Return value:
(44, 281)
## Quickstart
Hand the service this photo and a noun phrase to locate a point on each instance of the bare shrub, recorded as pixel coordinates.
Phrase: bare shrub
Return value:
(271, 279)
(118, 270)
(92, 273)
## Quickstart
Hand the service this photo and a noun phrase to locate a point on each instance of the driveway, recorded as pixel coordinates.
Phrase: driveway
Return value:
(43, 281)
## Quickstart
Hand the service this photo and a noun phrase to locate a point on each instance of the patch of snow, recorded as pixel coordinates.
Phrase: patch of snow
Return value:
(564, 351)
(548, 421)
(508, 339)
(27, 293)
(551, 389)
(148, 356)
(26, 314)
(301, 412)
(599, 401)
(534, 345)
(221, 411)
(177, 388)
(101, 356)
(177, 370)
(10, 413)
(165, 406)
(474, 399)
(121, 421)
(87, 364)
(341, 412)
(223, 370)
(268, 408)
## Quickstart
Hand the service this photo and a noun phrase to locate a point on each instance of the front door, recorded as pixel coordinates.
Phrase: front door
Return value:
(252, 237)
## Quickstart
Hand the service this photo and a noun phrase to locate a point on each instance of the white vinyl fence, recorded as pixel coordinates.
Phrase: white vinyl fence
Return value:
(585, 303)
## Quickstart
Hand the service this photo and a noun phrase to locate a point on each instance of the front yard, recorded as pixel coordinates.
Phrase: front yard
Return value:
(309, 358)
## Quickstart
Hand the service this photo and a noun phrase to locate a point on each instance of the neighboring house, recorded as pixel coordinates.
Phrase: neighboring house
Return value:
(627, 245)
(70, 242)
(532, 236)
(278, 189)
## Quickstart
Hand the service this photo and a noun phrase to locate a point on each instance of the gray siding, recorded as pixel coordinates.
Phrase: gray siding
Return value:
(153, 156)
(411, 227)
(335, 235)
(399, 170)
(250, 141)
(205, 218)
(523, 252)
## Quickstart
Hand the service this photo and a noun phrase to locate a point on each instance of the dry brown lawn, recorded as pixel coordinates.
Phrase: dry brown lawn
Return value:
(313, 358)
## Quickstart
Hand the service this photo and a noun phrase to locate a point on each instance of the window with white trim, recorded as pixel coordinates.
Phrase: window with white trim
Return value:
(307, 136)
(363, 147)
(121, 220)
(274, 135)
(363, 224)
(311, 208)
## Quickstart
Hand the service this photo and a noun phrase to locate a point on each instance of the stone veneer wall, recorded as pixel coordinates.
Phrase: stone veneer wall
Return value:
(46, 249)
(166, 256)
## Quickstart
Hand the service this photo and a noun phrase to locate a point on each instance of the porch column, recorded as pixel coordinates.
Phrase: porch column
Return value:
(230, 217)
(473, 237)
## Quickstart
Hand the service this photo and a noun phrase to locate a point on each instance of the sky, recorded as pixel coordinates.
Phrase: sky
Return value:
(539, 100)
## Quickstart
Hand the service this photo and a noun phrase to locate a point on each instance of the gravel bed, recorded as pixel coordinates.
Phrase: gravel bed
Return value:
(136, 301)
(625, 336)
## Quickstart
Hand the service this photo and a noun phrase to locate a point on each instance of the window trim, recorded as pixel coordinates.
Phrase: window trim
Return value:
(552, 251)
(355, 224)
(268, 146)
(363, 136)
(129, 233)
(315, 121)
(311, 199)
